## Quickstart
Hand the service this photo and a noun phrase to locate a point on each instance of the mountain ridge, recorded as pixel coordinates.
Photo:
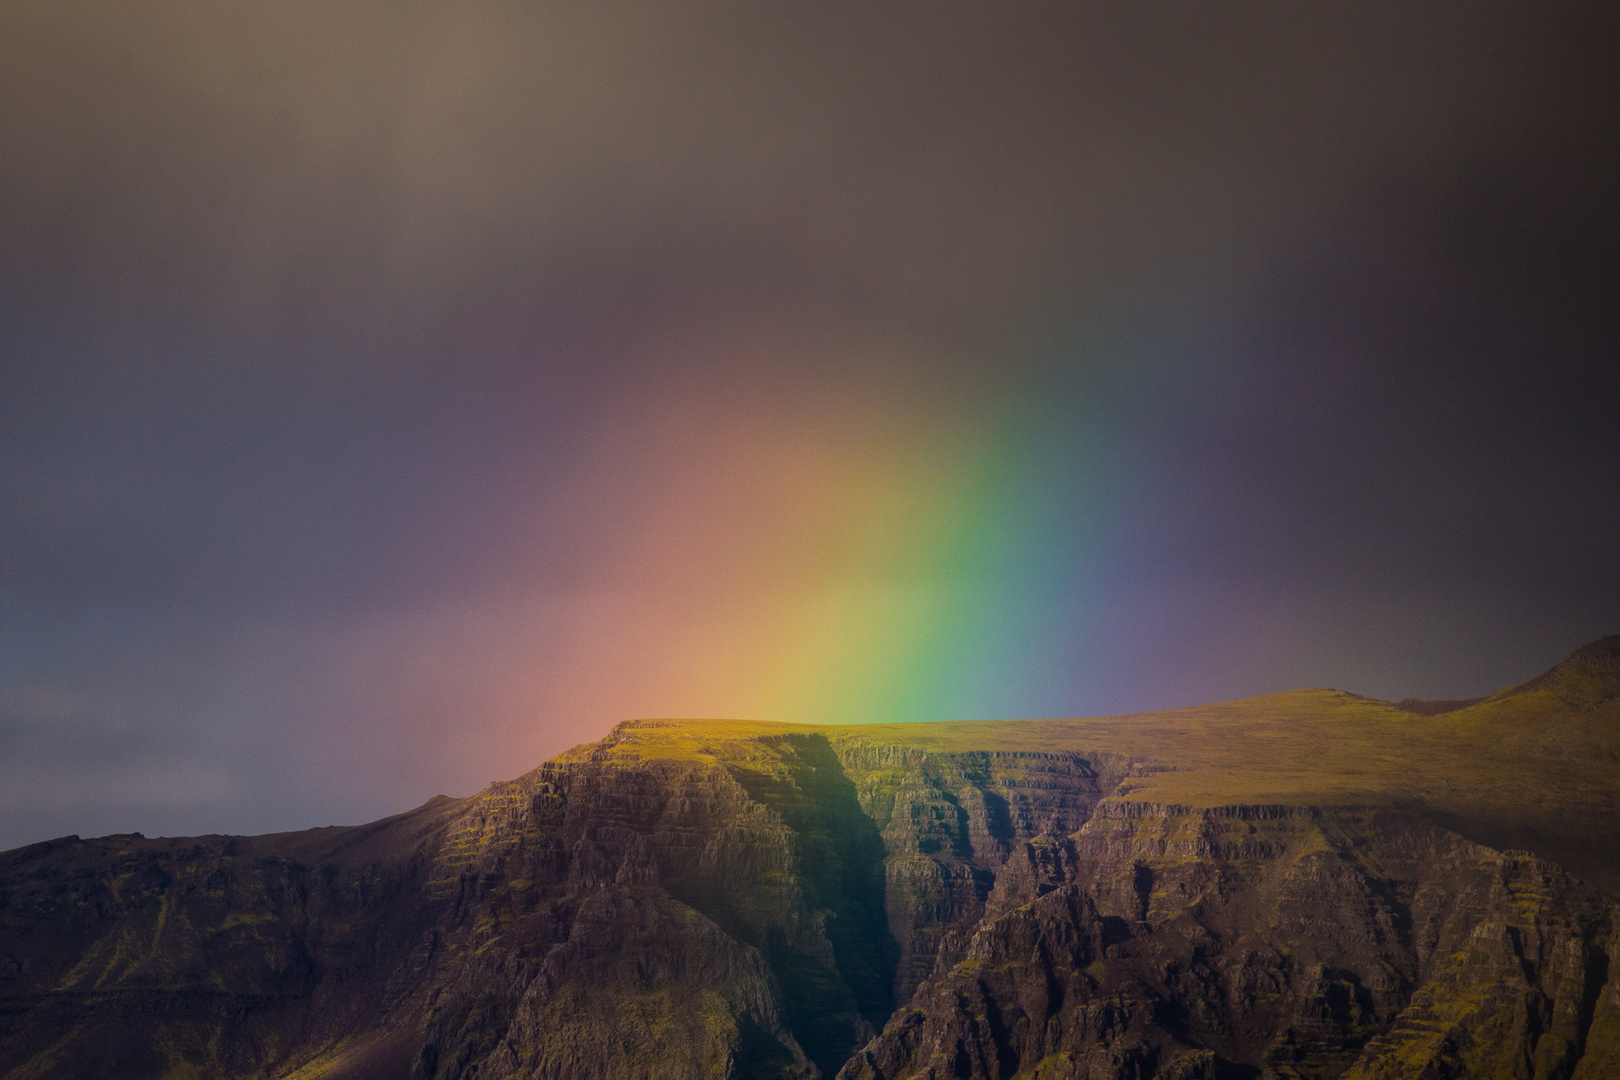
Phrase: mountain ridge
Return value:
(1307, 884)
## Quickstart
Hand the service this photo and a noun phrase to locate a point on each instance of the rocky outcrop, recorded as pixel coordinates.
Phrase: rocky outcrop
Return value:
(819, 880)
(215, 955)
(1264, 941)
(804, 904)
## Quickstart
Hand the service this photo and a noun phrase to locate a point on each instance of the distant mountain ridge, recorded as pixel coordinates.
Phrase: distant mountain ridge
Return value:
(1585, 679)
(1303, 885)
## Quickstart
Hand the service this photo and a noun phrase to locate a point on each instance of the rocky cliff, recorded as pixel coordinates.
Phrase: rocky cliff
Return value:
(1033, 899)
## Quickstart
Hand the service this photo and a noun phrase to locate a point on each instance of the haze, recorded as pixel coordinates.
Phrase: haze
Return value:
(392, 396)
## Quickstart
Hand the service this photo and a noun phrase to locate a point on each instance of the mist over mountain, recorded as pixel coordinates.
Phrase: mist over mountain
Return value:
(1311, 884)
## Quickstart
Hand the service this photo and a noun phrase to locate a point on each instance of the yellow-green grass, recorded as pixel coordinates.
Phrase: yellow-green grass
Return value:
(1536, 768)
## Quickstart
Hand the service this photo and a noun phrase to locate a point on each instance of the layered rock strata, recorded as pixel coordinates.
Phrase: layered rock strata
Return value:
(803, 905)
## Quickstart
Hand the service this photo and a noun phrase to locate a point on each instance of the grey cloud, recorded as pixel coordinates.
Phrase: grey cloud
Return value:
(313, 316)
(379, 158)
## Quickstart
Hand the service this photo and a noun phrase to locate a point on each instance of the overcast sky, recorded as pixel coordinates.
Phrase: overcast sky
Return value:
(392, 395)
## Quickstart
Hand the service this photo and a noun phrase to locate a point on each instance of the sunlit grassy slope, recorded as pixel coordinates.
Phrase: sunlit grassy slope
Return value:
(1535, 766)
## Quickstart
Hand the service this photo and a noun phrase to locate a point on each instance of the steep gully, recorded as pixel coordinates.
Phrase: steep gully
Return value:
(803, 905)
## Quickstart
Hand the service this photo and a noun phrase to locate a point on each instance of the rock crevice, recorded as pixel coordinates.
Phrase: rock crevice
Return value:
(800, 904)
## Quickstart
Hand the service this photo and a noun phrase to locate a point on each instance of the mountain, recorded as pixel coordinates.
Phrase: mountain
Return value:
(1305, 885)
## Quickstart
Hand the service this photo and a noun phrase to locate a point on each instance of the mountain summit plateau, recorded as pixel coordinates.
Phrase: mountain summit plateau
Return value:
(1305, 885)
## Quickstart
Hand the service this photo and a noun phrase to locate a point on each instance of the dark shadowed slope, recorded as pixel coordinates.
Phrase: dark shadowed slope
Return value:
(1309, 884)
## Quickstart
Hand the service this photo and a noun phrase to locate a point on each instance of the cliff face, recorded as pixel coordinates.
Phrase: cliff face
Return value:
(690, 899)
(1251, 940)
(756, 914)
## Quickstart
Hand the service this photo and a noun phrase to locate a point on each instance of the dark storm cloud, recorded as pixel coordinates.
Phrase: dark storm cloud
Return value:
(313, 316)
(247, 242)
(345, 164)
